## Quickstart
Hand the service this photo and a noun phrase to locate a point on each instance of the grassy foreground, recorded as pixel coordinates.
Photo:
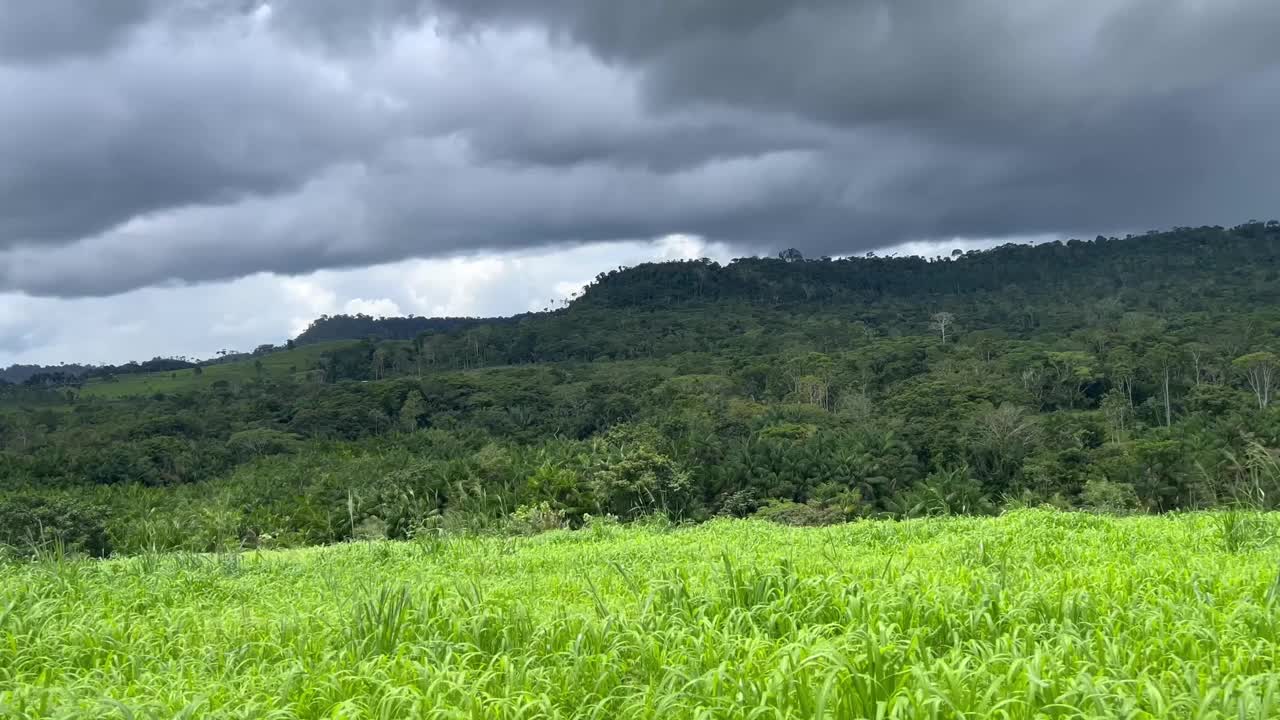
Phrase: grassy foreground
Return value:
(1033, 614)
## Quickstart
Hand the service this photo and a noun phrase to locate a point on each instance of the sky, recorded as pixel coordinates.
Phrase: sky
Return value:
(183, 176)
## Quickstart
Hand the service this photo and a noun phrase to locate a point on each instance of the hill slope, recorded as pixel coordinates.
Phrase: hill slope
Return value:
(1126, 375)
(1016, 288)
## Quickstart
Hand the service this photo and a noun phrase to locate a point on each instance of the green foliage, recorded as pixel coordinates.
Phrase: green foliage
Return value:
(1109, 497)
(300, 365)
(831, 503)
(534, 519)
(1106, 375)
(34, 523)
(636, 480)
(259, 442)
(412, 411)
(1242, 530)
(950, 491)
(1034, 614)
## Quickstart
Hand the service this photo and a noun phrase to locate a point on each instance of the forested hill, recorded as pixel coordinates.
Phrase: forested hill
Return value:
(1104, 265)
(763, 305)
(1140, 271)
(1112, 375)
(328, 328)
(19, 373)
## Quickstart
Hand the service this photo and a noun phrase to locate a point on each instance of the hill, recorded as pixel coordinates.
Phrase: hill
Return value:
(1116, 374)
(18, 373)
(1168, 272)
(328, 328)
(1020, 290)
(293, 364)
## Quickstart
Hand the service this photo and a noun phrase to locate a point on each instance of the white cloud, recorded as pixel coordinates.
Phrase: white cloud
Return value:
(381, 307)
(943, 248)
(199, 320)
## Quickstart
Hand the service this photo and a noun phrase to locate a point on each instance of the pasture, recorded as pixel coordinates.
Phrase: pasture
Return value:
(1034, 614)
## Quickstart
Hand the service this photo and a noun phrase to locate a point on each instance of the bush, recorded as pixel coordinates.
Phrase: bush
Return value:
(257, 442)
(951, 491)
(534, 519)
(1109, 497)
(35, 521)
(787, 512)
(638, 481)
(602, 526)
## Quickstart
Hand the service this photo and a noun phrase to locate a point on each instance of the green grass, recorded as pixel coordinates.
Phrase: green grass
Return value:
(1032, 615)
(286, 363)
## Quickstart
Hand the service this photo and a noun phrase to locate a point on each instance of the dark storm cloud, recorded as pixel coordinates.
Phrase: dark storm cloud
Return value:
(188, 141)
(1015, 117)
(977, 66)
(43, 30)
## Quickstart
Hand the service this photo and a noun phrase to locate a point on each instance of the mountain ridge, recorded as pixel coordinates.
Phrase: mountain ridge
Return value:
(791, 280)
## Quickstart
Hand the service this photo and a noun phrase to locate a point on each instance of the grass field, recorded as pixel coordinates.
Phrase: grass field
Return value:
(1033, 614)
(286, 363)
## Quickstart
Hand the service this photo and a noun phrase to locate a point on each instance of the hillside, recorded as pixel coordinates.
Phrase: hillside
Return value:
(1117, 374)
(1178, 271)
(295, 364)
(1202, 275)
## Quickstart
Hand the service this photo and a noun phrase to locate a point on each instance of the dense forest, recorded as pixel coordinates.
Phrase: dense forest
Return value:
(1116, 375)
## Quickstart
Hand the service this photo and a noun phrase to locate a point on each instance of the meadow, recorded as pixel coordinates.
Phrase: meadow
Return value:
(1033, 614)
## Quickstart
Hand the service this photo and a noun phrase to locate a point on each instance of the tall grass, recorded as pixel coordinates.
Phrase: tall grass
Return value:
(1035, 614)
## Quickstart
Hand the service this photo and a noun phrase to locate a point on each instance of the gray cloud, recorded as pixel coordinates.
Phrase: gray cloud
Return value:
(168, 122)
(162, 143)
(243, 313)
(44, 30)
(981, 67)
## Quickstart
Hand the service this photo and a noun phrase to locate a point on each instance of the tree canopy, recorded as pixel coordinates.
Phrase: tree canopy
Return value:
(1132, 374)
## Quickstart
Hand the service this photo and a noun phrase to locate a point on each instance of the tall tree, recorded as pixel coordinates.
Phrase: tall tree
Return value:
(1259, 369)
(1163, 360)
(941, 322)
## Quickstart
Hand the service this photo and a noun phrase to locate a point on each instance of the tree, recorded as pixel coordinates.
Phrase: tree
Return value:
(1198, 352)
(1073, 372)
(810, 379)
(18, 427)
(1163, 358)
(1118, 408)
(412, 411)
(941, 322)
(1002, 438)
(1033, 384)
(1122, 367)
(419, 341)
(1259, 370)
(257, 442)
(790, 255)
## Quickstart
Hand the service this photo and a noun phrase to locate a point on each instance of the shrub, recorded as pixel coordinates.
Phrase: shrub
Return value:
(947, 492)
(249, 444)
(787, 512)
(533, 519)
(32, 521)
(638, 481)
(1109, 497)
